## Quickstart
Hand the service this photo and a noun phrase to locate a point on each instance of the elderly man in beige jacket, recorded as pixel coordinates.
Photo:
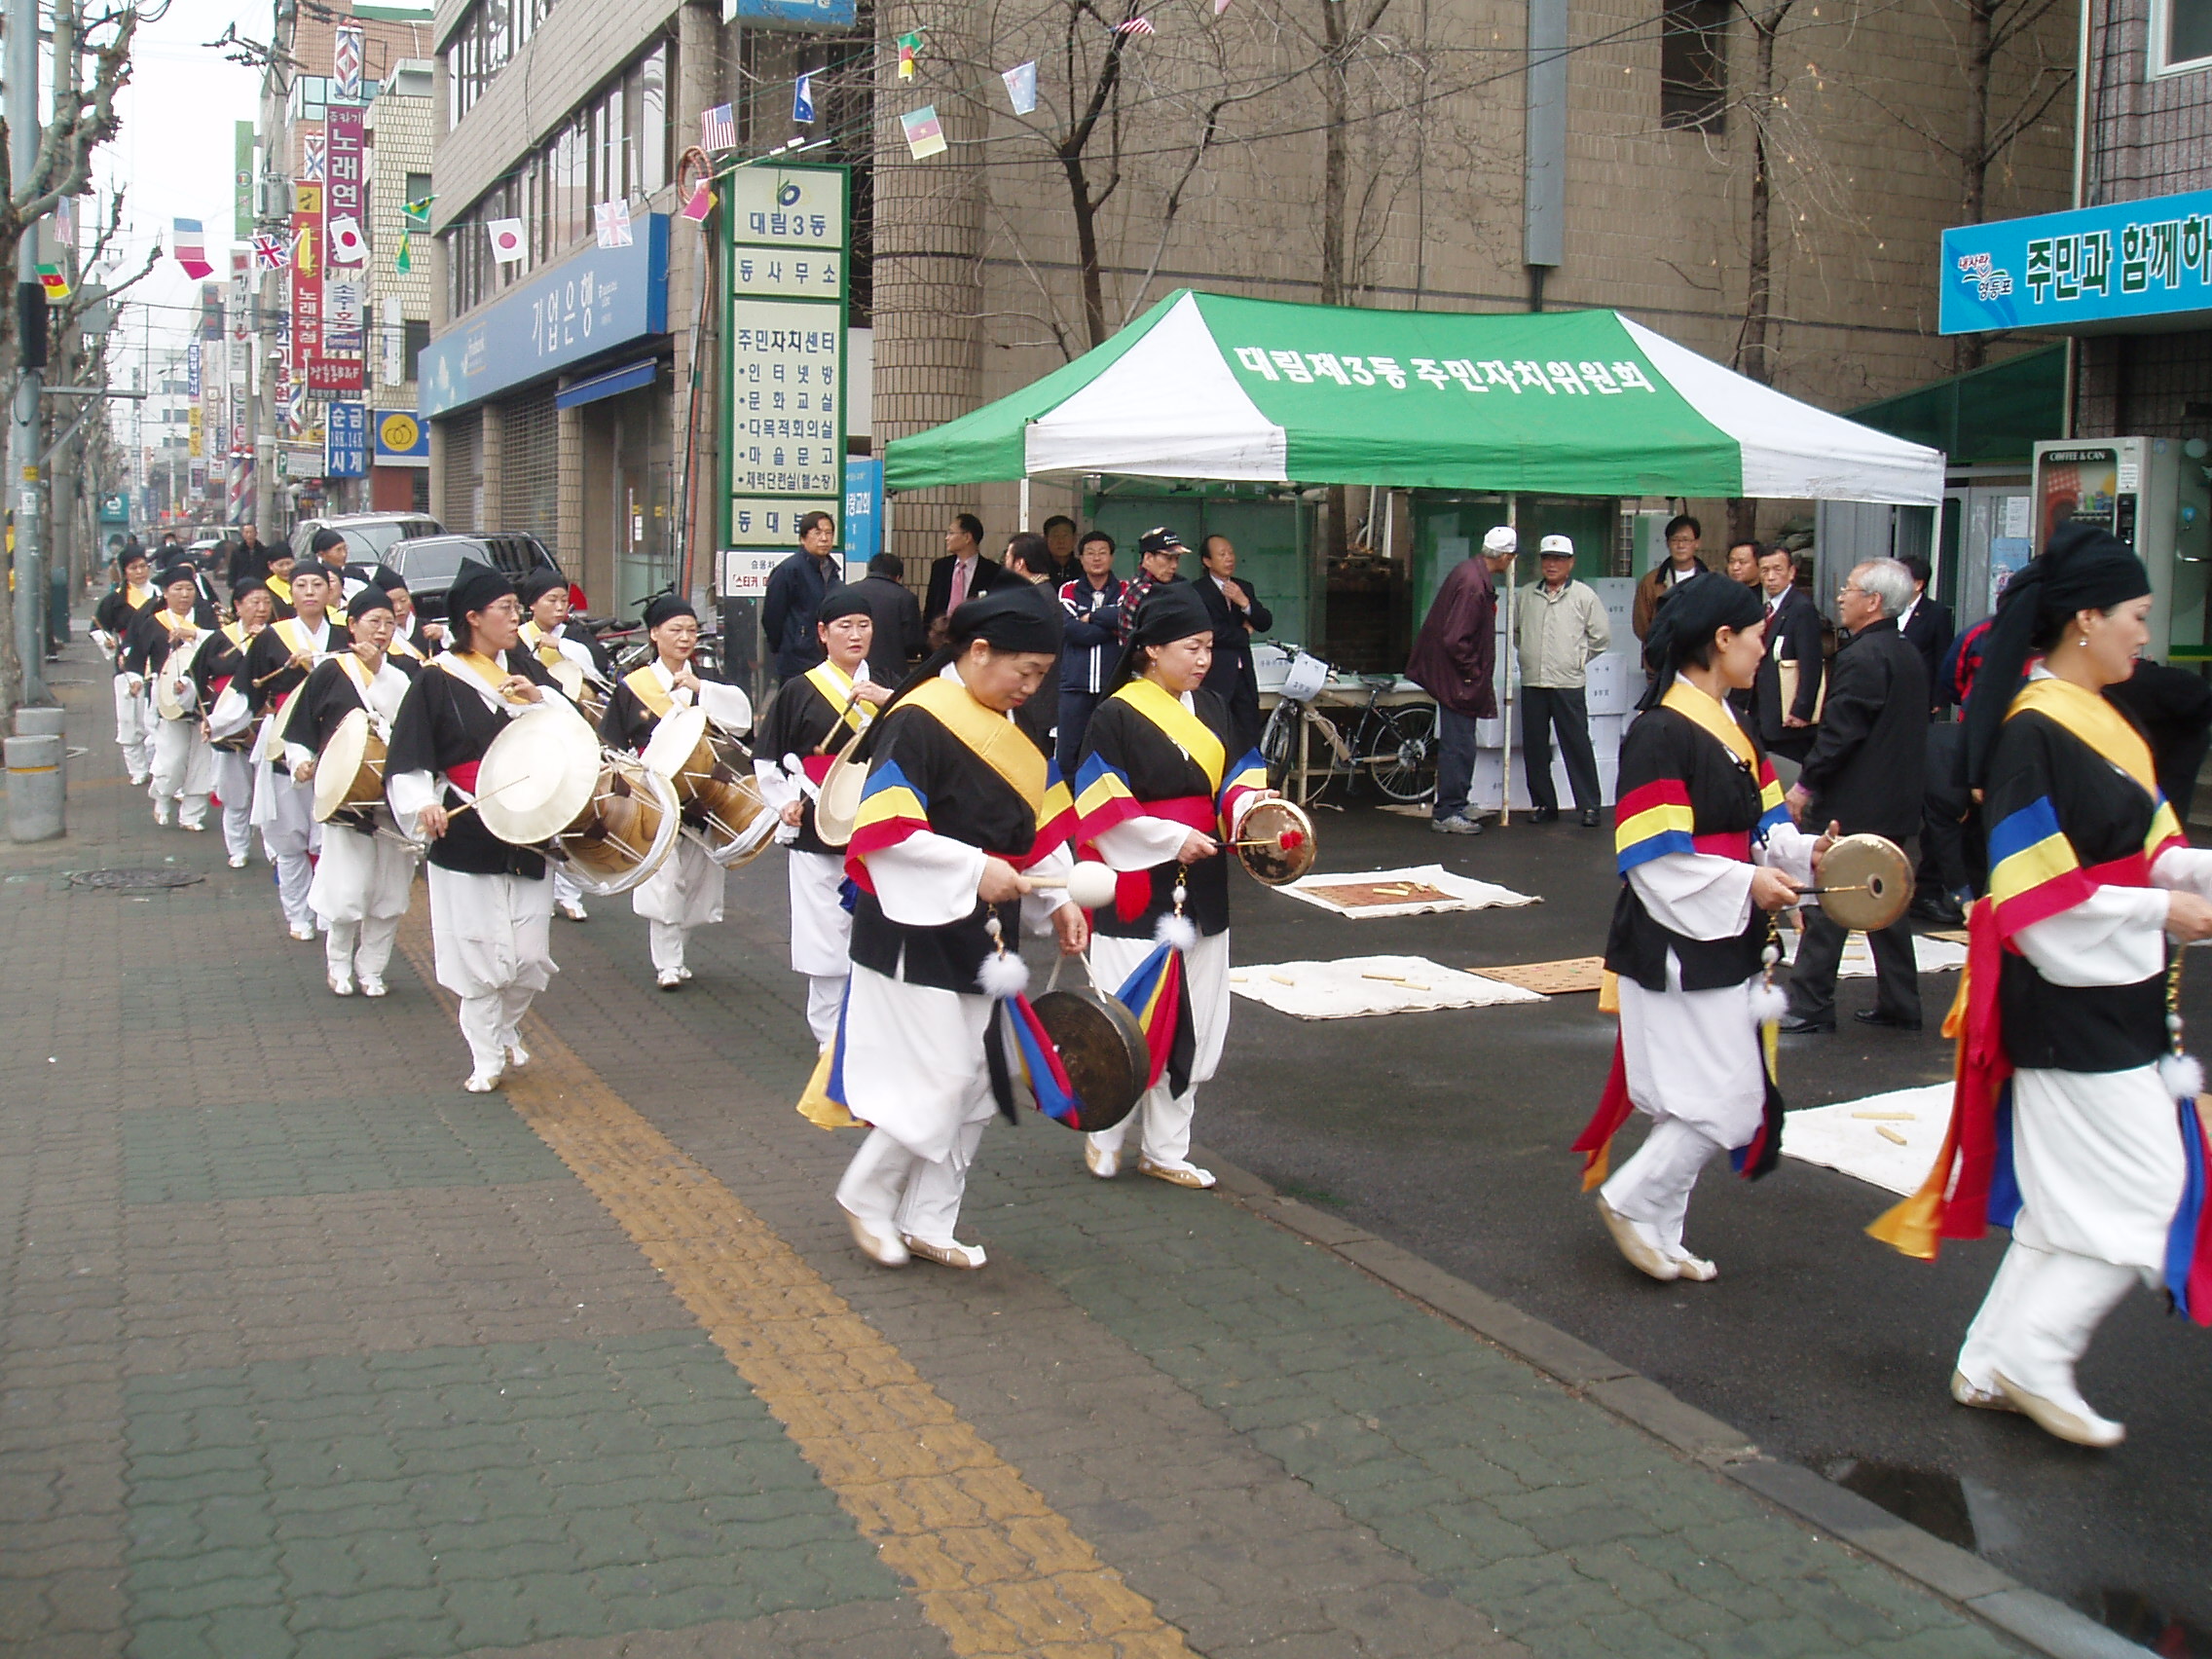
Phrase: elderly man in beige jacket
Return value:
(1561, 625)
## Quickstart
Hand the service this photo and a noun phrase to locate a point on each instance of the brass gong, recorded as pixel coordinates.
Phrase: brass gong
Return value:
(1276, 842)
(1866, 882)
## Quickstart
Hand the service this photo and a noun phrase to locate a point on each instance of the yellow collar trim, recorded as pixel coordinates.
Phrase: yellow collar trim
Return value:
(1184, 729)
(1714, 717)
(991, 736)
(2092, 720)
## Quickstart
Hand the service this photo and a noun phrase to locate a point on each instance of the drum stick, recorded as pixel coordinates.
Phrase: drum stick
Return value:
(823, 747)
(1817, 891)
(475, 800)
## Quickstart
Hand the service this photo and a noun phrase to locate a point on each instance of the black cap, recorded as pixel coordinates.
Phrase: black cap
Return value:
(1010, 619)
(474, 586)
(1160, 539)
(177, 573)
(325, 540)
(665, 608)
(842, 601)
(1172, 611)
(538, 583)
(367, 600)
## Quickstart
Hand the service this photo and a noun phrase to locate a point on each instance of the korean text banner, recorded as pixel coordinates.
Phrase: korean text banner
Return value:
(2092, 264)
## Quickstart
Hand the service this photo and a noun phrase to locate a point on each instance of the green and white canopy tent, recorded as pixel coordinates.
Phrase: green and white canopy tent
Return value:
(1589, 403)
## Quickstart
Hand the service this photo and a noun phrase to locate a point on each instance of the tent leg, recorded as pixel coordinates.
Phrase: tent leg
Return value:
(1505, 769)
(1024, 502)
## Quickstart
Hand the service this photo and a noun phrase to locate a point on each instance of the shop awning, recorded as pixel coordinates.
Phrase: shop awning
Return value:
(1586, 403)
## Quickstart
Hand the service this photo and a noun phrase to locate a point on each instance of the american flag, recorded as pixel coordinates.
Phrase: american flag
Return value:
(269, 253)
(1135, 26)
(717, 129)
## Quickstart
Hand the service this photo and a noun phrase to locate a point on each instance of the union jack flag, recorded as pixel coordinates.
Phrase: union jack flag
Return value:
(269, 253)
(717, 129)
(1135, 26)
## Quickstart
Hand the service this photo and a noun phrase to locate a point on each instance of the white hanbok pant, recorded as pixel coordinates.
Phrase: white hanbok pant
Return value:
(915, 1070)
(2101, 1166)
(184, 769)
(1165, 1117)
(134, 718)
(686, 893)
(234, 782)
(1694, 1068)
(493, 942)
(284, 812)
(822, 937)
(362, 886)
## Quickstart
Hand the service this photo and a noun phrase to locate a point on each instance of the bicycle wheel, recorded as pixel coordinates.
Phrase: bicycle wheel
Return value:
(1404, 763)
(1279, 741)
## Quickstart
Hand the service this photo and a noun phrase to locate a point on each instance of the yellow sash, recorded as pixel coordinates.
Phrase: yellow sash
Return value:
(234, 632)
(1184, 729)
(651, 692)
(280, 586)
(1714, 717)
(402, 645)
(470, 662)
(136, 597)
(294, 633)
(2092, 720)
(836, 686)
(176, 624)
(547, 646)
(992, 738)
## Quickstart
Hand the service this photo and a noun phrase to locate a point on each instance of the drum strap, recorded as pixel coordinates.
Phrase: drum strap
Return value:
(1184, 728)
(991, 737)
(835, 686)
(646, 683)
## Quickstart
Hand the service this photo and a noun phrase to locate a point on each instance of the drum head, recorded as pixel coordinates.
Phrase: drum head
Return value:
(567, 676)
(173, 695)
(1103, 1050)
(837, 805)
(230, 716)
(628, 833)
(341, 761)
(674, 739)
(1276, 842)
(1874, 878)
(538, 775)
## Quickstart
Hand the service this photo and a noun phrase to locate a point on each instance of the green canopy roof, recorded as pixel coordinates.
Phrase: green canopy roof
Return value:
(1208, 386)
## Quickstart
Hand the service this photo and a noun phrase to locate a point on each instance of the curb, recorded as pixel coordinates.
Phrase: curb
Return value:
(2039, 1623)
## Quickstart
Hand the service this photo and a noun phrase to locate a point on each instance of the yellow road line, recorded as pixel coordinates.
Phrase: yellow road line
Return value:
(992, 1563)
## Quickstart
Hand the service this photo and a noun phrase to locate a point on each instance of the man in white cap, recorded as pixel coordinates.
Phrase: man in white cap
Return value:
(1451, 661)
(1559, 626)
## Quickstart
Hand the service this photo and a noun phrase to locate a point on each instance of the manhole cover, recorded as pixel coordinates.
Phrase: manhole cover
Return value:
(135, 880)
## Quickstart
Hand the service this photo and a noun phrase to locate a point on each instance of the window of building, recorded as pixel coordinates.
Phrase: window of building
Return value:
(418, 340)
(2182, 31)
(482, 44)
(1693, 64)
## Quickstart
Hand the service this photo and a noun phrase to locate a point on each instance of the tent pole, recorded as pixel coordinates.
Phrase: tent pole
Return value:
(1505, 768)
(1026, 501)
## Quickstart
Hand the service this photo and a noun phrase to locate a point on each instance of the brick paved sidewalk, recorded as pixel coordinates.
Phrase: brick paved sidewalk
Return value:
(305, 1351)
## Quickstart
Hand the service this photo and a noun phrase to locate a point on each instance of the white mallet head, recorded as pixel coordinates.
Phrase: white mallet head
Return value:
(1091, 886)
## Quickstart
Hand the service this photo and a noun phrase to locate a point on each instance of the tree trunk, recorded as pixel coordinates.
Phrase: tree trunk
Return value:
(1336, 161)
(1086, 212)
(1753, 358)
(1968, 351)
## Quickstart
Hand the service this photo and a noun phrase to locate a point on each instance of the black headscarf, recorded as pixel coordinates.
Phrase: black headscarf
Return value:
(1172, 611)
(177, 573)
(2081, 569)
(842, 601)
(371, 598)
(474, 586)
(538, 584)
(665, 608)
(1688, 617)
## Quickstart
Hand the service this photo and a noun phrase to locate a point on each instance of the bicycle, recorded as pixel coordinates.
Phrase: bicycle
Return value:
(1393, 749)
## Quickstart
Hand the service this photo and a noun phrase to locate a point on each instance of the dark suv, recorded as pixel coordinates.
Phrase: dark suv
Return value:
(369, 536)
(429, 563)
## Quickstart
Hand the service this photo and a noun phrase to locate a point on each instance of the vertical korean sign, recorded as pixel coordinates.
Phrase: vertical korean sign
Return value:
(242, 181)
(336, 366)
(786, 453)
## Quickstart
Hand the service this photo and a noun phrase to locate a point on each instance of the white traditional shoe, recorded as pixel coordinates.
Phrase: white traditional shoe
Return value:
(882, 1248)
(2067, 1416)
(237, 861)
(518, 1056)
(340, 986)
(573, 910)
(306, 936)
(1175, 1174)
(1967, 1394)
(966, 1257)
(483, 1083)
(192, 827)
(1100, 1163)
(161, 814)
(1642, 1253)
(372, 986)
(139, 779)
(684, 974)
(1695, 1267)
(672, 979)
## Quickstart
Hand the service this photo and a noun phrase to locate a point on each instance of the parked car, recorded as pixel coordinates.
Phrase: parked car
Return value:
(429, 563)
(369, 536)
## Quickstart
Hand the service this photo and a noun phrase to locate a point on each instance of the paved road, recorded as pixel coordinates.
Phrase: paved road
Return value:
(303, 1352)
(1447, 1133)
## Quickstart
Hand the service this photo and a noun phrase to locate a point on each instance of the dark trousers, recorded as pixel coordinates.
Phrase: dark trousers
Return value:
(1812, 981)
(1455, 762)
(1945, 805)
(1075, 720)
(1542, 708)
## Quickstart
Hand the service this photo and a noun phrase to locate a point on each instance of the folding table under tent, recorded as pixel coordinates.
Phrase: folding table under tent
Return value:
(1566, 404)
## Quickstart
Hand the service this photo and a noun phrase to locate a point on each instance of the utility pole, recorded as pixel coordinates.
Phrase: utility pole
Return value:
(21, 104)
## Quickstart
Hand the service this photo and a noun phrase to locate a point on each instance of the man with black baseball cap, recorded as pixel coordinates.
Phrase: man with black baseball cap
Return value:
(1160, 561)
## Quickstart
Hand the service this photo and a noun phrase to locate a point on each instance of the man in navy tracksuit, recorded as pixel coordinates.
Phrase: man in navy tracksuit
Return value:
(1091, 644)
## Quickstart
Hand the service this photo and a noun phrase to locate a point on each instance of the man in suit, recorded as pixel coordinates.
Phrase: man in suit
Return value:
(960, 575)
(1865, 775)
(1238, 614)
(897, 642)
(1927, 626)
(1792, 635)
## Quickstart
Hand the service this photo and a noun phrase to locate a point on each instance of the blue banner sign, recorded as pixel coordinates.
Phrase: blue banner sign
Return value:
(791, 14)
(345, 440)
(863, 512)
(2093, 265)
(600, 299)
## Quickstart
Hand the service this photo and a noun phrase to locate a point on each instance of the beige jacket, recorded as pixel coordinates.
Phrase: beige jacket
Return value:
(1556, 634)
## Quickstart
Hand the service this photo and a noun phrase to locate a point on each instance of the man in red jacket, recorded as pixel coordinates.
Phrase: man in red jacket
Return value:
(1451, 661)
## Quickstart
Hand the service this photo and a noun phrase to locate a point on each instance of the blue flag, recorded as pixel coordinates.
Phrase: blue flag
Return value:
(802, 98)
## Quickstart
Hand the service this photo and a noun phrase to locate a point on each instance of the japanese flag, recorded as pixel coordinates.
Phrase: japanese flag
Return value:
(345, 243)
(508, 240)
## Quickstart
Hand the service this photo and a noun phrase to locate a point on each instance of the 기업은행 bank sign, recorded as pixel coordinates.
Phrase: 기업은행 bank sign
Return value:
(2090, 266)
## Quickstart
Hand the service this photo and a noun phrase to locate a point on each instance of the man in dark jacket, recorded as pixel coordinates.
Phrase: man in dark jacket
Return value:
(1092, 642)
(1866, 774)
(1029, 559)
(1238, 614)
(896, 643)
(246, 560)
(1927, 626)
(1451, 661)
(1792, 635)
(796, 590)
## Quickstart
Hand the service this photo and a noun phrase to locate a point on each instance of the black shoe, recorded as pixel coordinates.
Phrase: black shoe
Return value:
(1589, 818)
(1883, 1018)
(1795, 1027)
(1543, 813)
(1939, 908)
